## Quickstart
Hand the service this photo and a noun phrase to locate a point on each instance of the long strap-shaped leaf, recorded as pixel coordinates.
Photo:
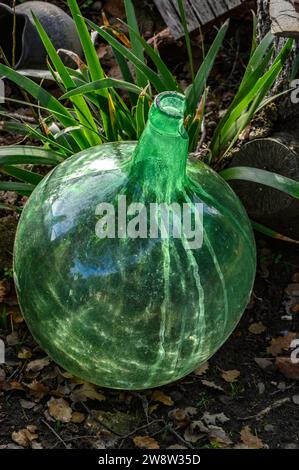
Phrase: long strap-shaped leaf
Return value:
(23, 175)
(267, 178)
(21, 188)
(95, 69)
(166, 75)
(21, 155)
(147, 71)
(271, 233)
(45, 98)
(195, 91)
(8, 207)
(82, 110)
(136, 46)
(103, 83)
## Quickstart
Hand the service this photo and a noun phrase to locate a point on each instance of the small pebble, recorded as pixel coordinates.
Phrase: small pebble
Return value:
(296, 399)
(287, 317)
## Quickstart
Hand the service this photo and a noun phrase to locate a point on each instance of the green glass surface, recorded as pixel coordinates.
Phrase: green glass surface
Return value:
(133, 313)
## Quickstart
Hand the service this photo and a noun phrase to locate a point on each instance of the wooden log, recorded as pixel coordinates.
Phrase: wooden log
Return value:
(284, 16)
(273, 208)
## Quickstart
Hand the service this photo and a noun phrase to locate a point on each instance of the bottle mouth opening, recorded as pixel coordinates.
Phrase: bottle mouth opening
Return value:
(171, 103)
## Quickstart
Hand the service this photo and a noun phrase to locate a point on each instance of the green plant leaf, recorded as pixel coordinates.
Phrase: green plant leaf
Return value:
(271, 233)
(101, 84)
(182, 12)
(147, 71)
(23, 175)
(137, 48)
(267, 178)
(82, 110)
(246, 103)
(166, 75)
(8, 207)
(93, 62)
(46, 99)
(195, 91)
(24, 189)
(23, 155)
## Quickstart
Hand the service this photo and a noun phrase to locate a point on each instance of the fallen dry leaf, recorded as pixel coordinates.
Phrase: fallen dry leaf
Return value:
(202, 370)
(212, 419)
(25, 436)
(145, 442)
(295, 308)
(14, 385)
(280, 343)
(288, 368)
(196, 431)
(37, 389)
(16, 316)
(257, 328)
(250, 440)
(60, 410)
(25, 354)
(87, 390)
(12, 339)
(26, 404)
(293, 290)
(210, 384)
(263, 362)
(153, 408)
(230, 376)
(78, 417)
(161, 397)
(218, 436)
(180, 417)
(37, 365)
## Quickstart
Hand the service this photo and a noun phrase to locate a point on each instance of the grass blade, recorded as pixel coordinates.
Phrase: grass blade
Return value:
(103, 83)
(196, 90)
(46, 99)
(21, 155)
(136, 45)
(93, 62)
(181, 6)
(23, 175)
(271, 233)
(267, 178)
(166, 75)
(82, 110)
(147, 71)
(24, 189)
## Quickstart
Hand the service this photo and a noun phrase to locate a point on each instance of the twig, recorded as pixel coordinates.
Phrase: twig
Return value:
(267, 410)
(54, 432)
(180, 438)
(91, 413)
(144, 402)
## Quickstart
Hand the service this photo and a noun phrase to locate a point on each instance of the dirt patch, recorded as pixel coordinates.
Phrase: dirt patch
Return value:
(239, 399)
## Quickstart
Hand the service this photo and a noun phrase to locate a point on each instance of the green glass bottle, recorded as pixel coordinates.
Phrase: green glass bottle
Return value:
(131, 265)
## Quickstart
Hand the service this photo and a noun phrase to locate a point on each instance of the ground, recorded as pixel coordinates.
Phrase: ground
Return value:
(239, 399)
(246, 396)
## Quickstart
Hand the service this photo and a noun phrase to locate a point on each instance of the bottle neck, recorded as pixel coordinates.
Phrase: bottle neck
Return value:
(159, 161)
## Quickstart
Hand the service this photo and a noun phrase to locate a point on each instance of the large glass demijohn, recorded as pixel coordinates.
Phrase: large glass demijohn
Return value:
(134, 312)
